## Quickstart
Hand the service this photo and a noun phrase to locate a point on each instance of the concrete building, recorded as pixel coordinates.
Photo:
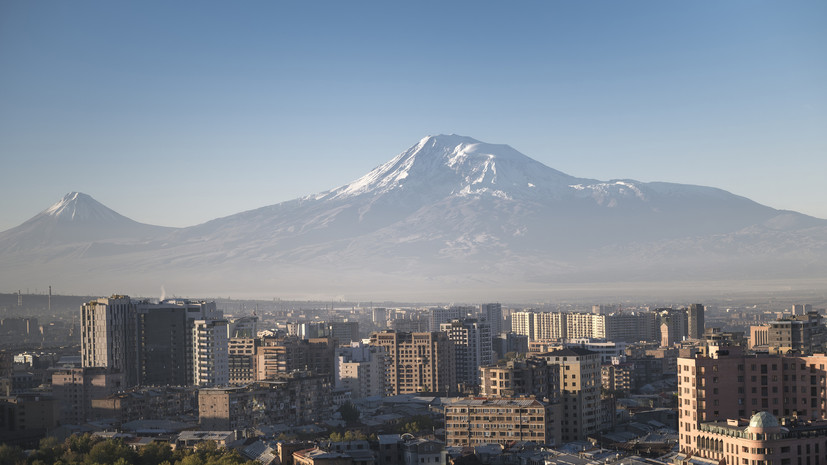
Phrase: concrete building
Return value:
(107, 336)
(439, 315)
(509, 342)
(361, 369)
(579, 391)
(493, 314)
(164, 352)
(759, 336)
(522, 377)
(607, 350)
(801, 309)
(241, 360)
(674, 326)
(478, 421)
(150, 343)
(210, 353)
(618, 327)
(617, 377)
(26, 418)
(764, 440)
(632, 327)
(146, 403)
(316, 456)
(282, 355)
(76, 388)
(298, 398)
(417, 362)
(724, 384)
(696, 321)
(379, 317)
(472, 347)
(344, 332)
(804, 334)
(523, 323)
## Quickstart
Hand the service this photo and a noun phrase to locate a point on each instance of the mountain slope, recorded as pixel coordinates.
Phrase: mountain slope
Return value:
(75, 219)
(449, 213)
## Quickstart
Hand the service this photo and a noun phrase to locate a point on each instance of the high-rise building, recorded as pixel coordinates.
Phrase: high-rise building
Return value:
(241, 350)
(493, 313)
(632, 326)
(361, 369)
(163, 354)
(379, 317)
(344, 332)
(804, 334)
(150, 343)
(108, 338)
(509, 342)
(472, 347)
(522, 377)
(579, 391)
(550, 325)
(673, 326)
(284, 355)
(696, 321)
(523, 323)
(621, 327)
(210, 353)
(439, 315)
(723, 385)
(417, 362)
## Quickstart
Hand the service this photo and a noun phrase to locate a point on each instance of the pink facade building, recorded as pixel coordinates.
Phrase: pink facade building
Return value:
(719, 390)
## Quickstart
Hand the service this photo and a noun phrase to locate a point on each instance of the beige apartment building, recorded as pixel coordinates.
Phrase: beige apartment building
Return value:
(477, 420)
(579, 391)
(417, 362)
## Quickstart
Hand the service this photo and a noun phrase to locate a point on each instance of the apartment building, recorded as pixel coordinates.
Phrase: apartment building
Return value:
(417, 362)
(478, 421)
(723, 384)
(472, 347)
(579, 372)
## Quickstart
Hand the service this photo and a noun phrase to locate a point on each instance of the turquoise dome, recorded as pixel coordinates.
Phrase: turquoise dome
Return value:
(763, 420)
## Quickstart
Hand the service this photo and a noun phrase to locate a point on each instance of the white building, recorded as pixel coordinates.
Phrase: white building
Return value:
(210, 353)
(360, 368)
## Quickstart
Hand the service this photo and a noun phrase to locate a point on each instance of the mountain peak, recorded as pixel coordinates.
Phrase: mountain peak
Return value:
(455, 164)
(77, 206)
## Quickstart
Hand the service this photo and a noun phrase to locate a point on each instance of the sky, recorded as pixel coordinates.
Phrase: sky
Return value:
(175, 113)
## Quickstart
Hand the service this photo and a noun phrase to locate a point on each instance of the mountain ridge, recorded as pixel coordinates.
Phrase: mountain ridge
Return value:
(449, 211)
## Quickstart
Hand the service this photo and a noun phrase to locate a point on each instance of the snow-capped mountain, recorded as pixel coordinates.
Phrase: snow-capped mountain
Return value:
(449, 213)
(75, 219)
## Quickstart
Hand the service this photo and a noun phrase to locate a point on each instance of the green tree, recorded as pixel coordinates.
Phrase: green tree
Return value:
(80, 443)
(349, 412)
(155, 453)
(11, 455)
(48, 451)
(418, 423)
(110, 451)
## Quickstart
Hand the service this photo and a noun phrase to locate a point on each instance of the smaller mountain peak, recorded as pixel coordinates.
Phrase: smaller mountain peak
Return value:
(77, 205)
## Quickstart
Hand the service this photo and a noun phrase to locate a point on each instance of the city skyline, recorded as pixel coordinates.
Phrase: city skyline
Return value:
(255, 106)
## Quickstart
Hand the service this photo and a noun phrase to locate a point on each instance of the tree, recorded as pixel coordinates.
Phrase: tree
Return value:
(155, 453)
(11, 455)
(110, 451)
(349, 412)
(418, 423)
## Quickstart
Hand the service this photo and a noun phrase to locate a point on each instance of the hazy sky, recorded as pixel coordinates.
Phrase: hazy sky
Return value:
(175, 113)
